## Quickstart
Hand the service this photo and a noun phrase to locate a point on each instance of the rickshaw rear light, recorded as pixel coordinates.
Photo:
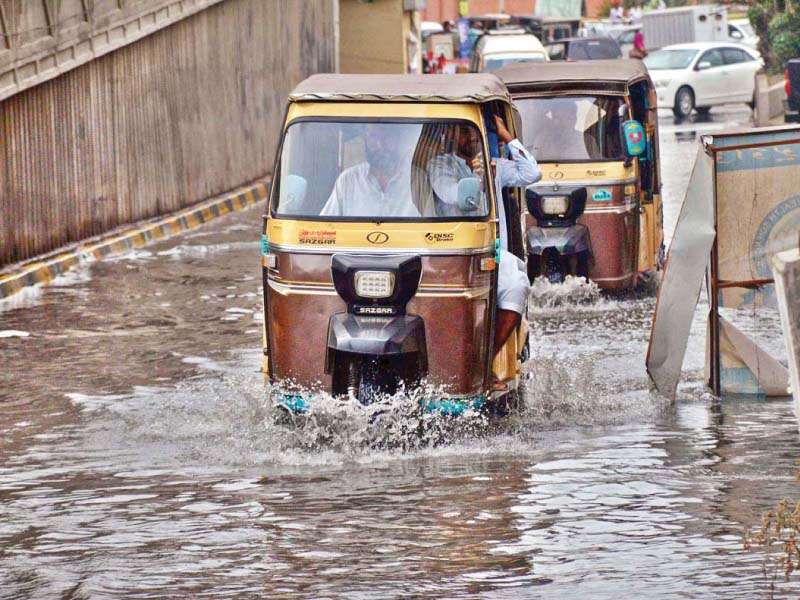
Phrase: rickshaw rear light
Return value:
(555, 205)
(374, 284)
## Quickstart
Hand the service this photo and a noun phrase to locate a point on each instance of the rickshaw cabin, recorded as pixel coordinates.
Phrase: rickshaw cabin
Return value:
(453, 297)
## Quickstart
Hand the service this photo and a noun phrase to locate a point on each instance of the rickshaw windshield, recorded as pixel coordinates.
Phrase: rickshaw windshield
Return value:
(572, 128)
(368, 169)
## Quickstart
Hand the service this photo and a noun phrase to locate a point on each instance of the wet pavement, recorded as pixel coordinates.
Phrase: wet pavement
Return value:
(140, 459)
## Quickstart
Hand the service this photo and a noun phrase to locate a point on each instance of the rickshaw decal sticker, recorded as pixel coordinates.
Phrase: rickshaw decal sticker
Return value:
(435, 238)
(317, 237)
(556, 174)
(602, 195)
(377, 237)
(264, 245)
(595, 172)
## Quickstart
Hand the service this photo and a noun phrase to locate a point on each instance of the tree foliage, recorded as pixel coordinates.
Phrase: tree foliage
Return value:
(777, 23)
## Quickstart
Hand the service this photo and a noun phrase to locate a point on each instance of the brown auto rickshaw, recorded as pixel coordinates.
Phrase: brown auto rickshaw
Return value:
(592, 125)
(361, 300)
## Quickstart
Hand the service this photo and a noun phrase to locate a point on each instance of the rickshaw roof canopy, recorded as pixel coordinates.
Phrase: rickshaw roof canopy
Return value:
(583, 75)
(473, 87)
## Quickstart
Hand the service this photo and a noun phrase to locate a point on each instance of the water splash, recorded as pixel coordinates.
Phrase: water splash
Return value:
(573, 291)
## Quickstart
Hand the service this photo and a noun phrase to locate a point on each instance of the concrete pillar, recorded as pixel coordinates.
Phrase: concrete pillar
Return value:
(762, 100)
(377, 36)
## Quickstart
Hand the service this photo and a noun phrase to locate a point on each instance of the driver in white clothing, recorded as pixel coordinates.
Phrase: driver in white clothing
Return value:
(381, 186)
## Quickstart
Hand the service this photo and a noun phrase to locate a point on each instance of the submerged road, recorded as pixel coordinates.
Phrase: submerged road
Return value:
(140, 459)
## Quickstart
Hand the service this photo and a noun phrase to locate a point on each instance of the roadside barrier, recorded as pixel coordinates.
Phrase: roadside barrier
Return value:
(46, 268)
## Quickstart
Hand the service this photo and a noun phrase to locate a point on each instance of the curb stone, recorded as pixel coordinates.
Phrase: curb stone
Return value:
(44, 269)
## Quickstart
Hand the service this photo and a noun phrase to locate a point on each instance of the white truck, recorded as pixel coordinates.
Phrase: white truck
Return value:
(706, 23)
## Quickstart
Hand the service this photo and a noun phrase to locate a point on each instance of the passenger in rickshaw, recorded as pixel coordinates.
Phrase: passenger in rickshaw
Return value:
(520, 170)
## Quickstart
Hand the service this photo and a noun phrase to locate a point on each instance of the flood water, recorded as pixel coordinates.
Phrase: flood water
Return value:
(139, 457)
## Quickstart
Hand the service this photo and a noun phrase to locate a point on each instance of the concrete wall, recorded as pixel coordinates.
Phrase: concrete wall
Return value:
(40, 39)
(441, 10)
(185, 113)
(372, 36)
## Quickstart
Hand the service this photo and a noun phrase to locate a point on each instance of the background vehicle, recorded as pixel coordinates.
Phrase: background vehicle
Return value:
(428, 28)
(741, 32)
(548, 29)
(793, 91)
(704, 23)
(496, 49)
(599, 48)
(572, 116)
(361, 300)
(491, 21)
(699, 76)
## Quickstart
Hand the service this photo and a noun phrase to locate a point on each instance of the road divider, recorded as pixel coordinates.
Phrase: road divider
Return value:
(46, 268)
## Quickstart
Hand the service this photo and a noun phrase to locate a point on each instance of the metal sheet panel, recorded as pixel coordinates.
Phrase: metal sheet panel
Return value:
(683, 278)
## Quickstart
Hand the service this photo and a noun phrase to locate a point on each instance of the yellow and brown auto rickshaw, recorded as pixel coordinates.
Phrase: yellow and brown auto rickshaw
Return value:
(592, 125)
(364, 298)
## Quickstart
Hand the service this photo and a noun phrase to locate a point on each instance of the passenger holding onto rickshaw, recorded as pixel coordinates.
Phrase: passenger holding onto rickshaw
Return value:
(520, 170)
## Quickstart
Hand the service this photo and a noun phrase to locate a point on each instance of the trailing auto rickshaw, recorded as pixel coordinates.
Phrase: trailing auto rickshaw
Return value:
(593, 128)
(365, 299)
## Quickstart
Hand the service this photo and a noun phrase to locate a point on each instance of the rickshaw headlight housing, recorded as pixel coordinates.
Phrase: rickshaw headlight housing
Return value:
(555, 205)
(374, 284)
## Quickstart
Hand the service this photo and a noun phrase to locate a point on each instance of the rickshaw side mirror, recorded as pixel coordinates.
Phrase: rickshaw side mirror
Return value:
(469, 194)
(635, 139)
(292, 193)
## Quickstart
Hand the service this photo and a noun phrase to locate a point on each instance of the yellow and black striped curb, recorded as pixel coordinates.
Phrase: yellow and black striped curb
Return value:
(43, 270)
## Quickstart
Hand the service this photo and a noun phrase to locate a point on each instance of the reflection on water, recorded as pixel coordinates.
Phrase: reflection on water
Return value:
(139, 457)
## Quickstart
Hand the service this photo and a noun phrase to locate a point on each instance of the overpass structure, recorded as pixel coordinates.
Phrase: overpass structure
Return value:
(114, 111)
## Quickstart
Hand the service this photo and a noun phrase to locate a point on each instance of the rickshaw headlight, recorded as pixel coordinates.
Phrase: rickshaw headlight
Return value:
(374, 284)
(555, 205)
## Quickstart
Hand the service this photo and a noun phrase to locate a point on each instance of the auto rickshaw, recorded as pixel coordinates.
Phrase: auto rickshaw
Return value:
(362, 300)
(592, 125)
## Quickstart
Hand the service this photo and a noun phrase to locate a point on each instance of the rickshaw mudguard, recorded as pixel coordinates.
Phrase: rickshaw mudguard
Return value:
(567, 240)
(374, 336)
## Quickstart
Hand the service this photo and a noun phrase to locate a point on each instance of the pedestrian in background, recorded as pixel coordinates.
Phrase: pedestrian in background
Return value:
(617, 13)
(635, 14)
(638, 50)
(454, 35)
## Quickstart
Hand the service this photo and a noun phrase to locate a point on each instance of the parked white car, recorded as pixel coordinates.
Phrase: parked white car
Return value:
(701, 75)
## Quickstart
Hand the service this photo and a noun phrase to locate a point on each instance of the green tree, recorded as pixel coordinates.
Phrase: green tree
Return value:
(777, 23)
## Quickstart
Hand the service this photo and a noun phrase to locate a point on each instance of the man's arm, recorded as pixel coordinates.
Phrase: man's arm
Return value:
(521, 170)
